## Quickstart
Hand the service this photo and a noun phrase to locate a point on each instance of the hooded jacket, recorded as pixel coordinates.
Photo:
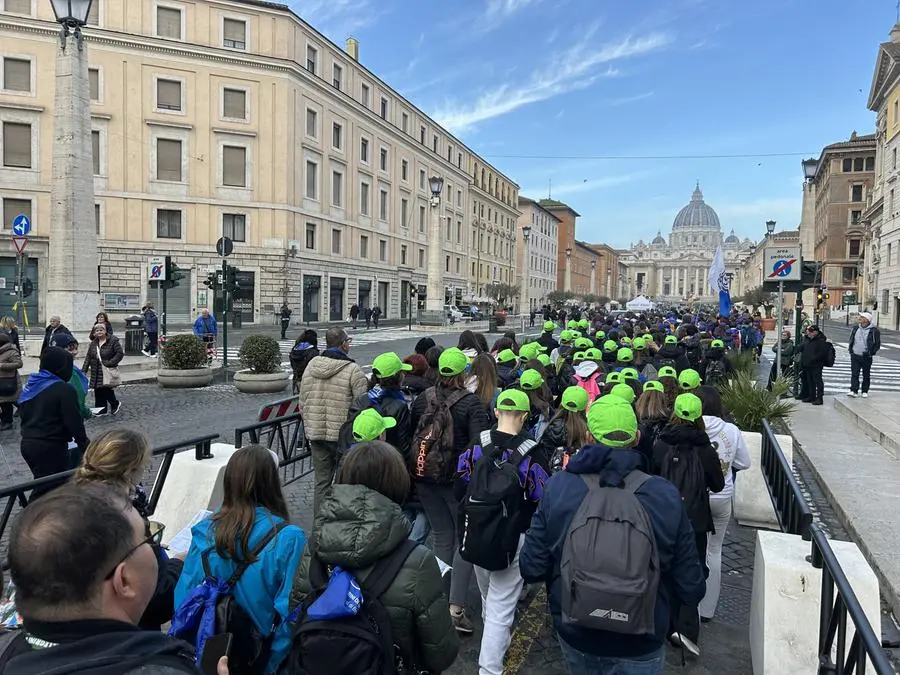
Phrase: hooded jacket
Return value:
(389, 403)
(691, 439)
(814, 350)
(301, 354)
(732, 449)
(98, 647)
(680, 572)
(548, 341)
(10, 362)
(672, 355)
(356, 528)
(330, 383)
(48, 406)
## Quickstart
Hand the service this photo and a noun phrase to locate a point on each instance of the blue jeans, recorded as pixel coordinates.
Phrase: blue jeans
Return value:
(419, 522)
(580, 663)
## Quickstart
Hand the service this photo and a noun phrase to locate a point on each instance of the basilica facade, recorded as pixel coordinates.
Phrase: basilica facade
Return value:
(676, 270)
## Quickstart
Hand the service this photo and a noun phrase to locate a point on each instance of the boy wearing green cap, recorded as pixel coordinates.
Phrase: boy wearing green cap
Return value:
(607, 465)
(492, 538)
(689, 379)
(671, 354)
(715, 368)
(370, 426)
(507, 367)
(546, 338)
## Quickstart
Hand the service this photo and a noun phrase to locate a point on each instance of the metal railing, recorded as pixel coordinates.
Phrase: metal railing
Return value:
(18, 495)
(839, 602)
(793, 513)
(284, 436)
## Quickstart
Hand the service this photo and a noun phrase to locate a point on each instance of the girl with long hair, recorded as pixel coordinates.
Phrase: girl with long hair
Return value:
(483, 377)
(252, 527)
(653, 414)
(568, 431)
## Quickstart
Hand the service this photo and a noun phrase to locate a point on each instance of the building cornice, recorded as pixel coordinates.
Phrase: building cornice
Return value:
(8, 105)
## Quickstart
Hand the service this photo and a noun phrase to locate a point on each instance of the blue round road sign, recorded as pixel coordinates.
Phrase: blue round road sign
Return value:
(782, 268)
(21, 225)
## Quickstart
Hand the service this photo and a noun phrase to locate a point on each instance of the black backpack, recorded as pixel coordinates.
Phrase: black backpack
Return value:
(360, 644)
(433, 456)
(830, 356)
(250, 650)
(490, 513)
(345, 434)
(715, 371)
(681, 466)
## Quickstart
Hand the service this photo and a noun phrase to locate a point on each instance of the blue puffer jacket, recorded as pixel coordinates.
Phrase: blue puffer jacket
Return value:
(681, 574)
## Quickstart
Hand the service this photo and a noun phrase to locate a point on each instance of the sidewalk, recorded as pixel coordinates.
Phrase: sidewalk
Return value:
(133, 369)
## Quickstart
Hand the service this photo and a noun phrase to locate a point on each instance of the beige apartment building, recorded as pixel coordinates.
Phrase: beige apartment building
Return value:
(542, 252)
(237, 118)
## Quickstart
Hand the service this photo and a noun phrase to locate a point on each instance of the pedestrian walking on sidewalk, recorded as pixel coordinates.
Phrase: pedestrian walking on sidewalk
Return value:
(101, 366)
(865, 341)
(285, 320)
(9, 327)
(354, 313)
(151, 328)
(10, 384)
(206, 328)
(367, 315)
(812, 361)
(376, 314)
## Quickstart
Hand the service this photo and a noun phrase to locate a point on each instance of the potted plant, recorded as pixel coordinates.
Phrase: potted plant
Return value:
(260, 355)
(183, 363)
(750, 403)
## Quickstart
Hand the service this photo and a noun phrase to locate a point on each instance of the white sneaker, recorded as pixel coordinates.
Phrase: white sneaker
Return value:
(865, 395)
(690, 645)
(851, 394)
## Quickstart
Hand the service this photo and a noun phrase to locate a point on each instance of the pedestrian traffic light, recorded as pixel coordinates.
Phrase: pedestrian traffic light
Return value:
(174, 274)
(231, 281)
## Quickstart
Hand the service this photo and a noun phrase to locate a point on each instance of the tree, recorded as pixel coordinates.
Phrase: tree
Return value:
(557, 299)
(759, 297)
(502, 292)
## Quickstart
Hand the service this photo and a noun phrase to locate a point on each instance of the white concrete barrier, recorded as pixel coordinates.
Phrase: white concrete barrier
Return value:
(191, 486)
(752, 503)
(784, 608)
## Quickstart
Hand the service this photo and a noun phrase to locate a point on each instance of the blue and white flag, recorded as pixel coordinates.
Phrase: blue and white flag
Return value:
(718, 282)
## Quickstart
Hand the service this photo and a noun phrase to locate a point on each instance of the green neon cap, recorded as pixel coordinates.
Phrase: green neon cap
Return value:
(612, 421)
(574, 399)
(388, 365)
(369, 425)
(688, 407)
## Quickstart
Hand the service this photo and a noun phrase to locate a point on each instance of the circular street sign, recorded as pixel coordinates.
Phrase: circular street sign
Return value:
(782, 268)
(21, 225)
(224, 246)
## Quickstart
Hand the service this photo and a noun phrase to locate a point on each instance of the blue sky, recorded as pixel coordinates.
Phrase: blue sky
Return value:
(535, 86)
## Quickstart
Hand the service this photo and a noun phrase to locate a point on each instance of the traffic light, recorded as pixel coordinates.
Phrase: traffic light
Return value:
(231, 281)
(210, 281)
(174, 274)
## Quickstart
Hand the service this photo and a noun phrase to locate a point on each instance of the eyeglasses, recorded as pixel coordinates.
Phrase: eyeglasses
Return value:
(154, 532)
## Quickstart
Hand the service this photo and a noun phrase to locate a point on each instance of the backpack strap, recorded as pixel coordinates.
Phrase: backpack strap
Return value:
(633, 481)
(455, 397)
(387, 569)
(250, 559)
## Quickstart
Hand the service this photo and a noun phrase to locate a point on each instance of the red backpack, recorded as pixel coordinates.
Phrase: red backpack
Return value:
(591, 385)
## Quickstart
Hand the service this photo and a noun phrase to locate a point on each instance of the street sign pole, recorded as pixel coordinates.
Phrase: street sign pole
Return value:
(798, 316)
(19, 284)
(780, 329)
(225, 318)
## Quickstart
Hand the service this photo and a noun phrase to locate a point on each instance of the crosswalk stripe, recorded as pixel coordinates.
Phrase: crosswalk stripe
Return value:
(885, 374)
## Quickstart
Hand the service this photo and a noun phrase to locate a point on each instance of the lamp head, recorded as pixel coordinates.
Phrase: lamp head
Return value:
(436, 183)
(71, 12)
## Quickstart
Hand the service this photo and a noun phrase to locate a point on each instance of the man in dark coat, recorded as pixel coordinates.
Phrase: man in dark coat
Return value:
(52, 329)
(812, 360)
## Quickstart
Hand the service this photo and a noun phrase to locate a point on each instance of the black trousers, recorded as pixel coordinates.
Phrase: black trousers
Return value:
(815, 386)
(153, 340)
(860, 363)
(285, 324)
(45, 458)
(106, 397)
(6, 413)
(685, 619)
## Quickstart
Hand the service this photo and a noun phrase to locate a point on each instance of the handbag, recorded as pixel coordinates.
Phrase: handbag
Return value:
(111, 377)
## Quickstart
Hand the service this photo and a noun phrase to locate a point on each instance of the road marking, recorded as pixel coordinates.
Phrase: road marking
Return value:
(893, 345)
(530, 624)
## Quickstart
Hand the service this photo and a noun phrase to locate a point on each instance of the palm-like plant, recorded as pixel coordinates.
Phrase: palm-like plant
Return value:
(750, 403)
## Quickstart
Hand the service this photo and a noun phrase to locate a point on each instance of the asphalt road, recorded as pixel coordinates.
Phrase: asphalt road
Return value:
(890, 339)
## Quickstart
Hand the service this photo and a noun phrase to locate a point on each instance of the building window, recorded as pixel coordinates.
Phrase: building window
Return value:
(854, 217)
(168, 22)
(337, 76)
(854, 248)
(894, 152)
(459, 198)
(312, 59)
(94, 83)
(234, 226)
(12, 208)
(404, 170)
(458, 231)
(404, 122)
(402, 254)
(363, 247)
(383, 205)
(449, 153)
(312, 180)
(434, 144)
(364, 198)
(93, 17)
(404, 213)
(168, 160)
(364, 150)
(449, 227)
(337, 188)
(336, 135)
(421, 258)
(384, 108)
(447, 263)
(311, 236)
(457, 265)
(234, 34)
(421, 179)
(168, 224)
(312, 125)
(97, 218)
(234, 104)
(17, 7)
(847, 165)
(364, 94)
(459, 159)
(384, 159)
(234, 165)
(422, 135)
(382, 250)
(421, 219)
(168, 94)
(95, 151)
(856, 193)
(870, 163)
(16, 74)
(858, 164)
(848, 275)
(336, 242)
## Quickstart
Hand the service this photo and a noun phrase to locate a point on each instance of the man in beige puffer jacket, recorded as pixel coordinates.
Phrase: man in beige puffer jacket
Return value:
(330, 383)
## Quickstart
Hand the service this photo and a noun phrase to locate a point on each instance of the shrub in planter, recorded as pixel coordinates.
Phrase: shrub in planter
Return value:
(183, 352)
(750, 403)
(260, 354)
(500, 316)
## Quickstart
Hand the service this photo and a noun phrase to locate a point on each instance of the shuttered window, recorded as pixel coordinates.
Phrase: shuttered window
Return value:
(168, 22)
(18, 6)
(16, 74)
(94, 80)
(95, 151)
(235, 104)
(168, 94)
(13, 207)
(168, 159)
(17, 145)
(234, 164)
(234, 34)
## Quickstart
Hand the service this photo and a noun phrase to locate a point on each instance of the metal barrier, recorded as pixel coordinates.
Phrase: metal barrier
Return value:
(865, 646)
(285, 436)
(18, 495)
(794, 515)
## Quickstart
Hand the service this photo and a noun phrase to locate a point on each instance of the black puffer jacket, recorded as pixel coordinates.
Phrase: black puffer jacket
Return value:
(415, 385)
(650, 430)
(111, 353)
(355, 528)
(548, 341)
(672, 355)
(301, 354)
(814, 351)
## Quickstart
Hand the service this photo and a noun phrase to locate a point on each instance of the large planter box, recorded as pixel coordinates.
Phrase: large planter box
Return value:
(261, 383)
(768, 324)
(185, 379)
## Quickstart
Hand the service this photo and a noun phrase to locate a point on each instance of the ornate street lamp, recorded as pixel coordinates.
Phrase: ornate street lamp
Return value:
(810, 167)
(770, 228)
(71, 15)
(434, 296)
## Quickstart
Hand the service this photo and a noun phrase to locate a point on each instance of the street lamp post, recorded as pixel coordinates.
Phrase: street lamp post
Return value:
(434, 298)
(594, 276)
(770, 230)
(524, 300)
(568, 284)
(72, 288)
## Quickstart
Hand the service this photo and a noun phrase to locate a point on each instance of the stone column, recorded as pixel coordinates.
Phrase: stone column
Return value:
(72, 292)
(568, 279)
(524, 299)
(593, 279)
(434, 299)
(697, 290)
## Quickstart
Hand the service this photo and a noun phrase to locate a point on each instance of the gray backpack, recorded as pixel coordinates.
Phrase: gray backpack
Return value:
(609, 564)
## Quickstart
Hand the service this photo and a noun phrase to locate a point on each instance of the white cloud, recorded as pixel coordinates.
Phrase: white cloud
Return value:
(577, 68)
(625, 100)
(504, 8)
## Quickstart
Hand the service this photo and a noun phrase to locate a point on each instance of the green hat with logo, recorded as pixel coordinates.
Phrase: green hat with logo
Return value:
(717, 344)
(625, 355)
(639, 345)
(671, 340)
(369, 425)
(654, 385)
(583, 343)
(630, 374)
(549, 326)
(529, 351)
(513, 399)
(623, 391)
(578, 357)
(688, 407)
(531, 380)
(584, 324)
(544, 360)
(593, 354)
(388, 365)
(452, 362)
(574, 399)
(572, 324)
(614, 376)
(566, 336)
(689, 379)
(507, 356)
(612, 422)
(667, 371)
(600, 335)
(610, 346)
(625, 341)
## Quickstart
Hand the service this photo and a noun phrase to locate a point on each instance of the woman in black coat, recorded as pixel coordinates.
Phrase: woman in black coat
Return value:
(304, 350)
(104, 350)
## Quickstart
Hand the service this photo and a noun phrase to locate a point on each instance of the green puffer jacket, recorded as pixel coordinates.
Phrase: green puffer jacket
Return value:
(355, 528)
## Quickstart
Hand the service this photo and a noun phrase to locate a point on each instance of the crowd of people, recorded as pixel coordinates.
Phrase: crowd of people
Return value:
(475, 466)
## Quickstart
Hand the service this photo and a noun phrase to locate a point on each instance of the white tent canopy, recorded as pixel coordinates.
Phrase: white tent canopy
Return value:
(639, 304)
